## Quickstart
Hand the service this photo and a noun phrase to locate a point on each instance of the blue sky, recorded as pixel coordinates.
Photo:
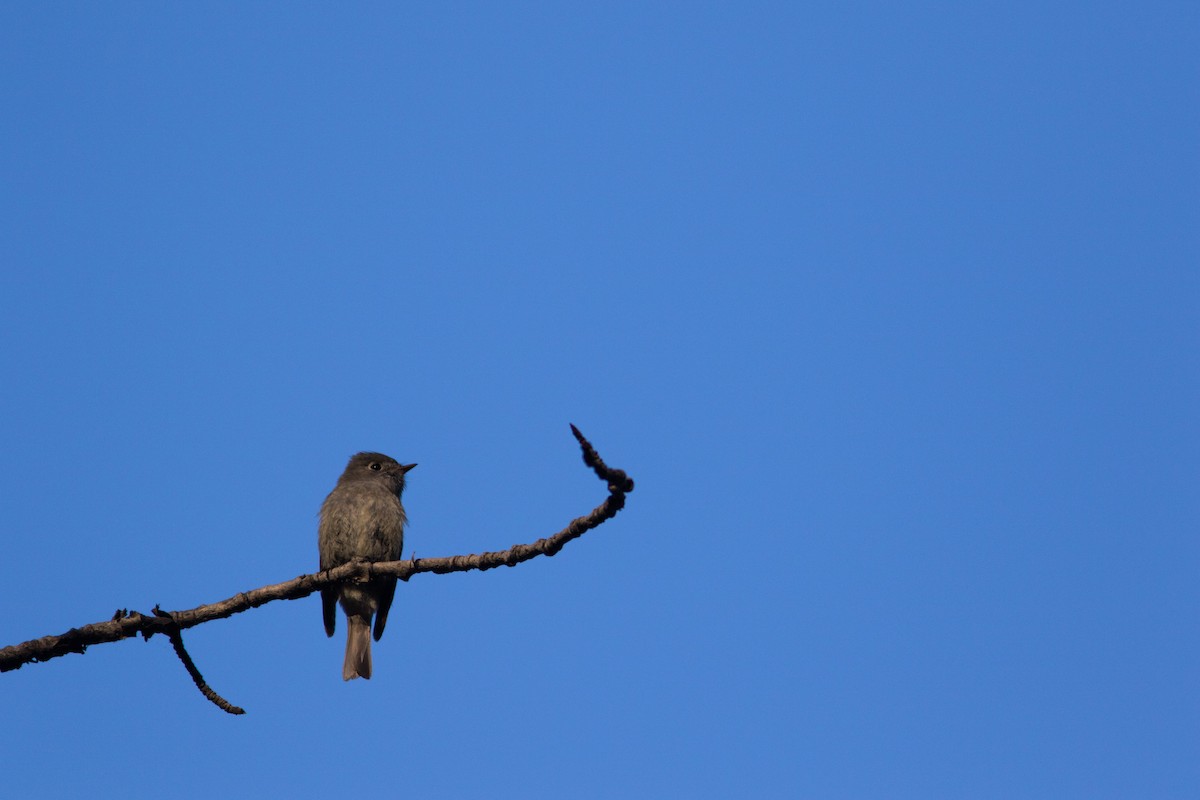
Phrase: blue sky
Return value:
(889, 309)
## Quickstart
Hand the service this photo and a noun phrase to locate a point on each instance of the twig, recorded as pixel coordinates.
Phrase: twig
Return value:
(125, 624)
(177, 643)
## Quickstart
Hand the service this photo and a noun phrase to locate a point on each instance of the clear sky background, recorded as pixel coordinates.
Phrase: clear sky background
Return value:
(890, 309)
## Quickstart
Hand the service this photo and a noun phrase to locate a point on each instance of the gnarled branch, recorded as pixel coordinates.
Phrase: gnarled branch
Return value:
(125, 624)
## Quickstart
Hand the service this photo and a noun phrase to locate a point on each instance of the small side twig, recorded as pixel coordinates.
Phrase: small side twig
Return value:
(176, 636)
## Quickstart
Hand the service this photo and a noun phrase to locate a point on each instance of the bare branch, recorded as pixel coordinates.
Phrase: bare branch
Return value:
(125, 624)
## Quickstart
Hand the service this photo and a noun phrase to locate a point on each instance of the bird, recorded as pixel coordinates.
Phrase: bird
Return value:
(362, 518)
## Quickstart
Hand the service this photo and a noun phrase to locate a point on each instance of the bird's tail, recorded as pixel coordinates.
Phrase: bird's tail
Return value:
(358, 649)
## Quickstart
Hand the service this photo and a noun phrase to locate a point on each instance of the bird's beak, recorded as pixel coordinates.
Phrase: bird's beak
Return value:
(406, 467)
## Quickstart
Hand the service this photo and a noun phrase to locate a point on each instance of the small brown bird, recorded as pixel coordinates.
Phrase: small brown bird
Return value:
(362, 518)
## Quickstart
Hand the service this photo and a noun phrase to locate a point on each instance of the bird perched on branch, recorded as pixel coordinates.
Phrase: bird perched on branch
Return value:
(362, 518)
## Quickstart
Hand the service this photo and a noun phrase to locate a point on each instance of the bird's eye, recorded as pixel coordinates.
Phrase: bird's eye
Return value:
(376, 466)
